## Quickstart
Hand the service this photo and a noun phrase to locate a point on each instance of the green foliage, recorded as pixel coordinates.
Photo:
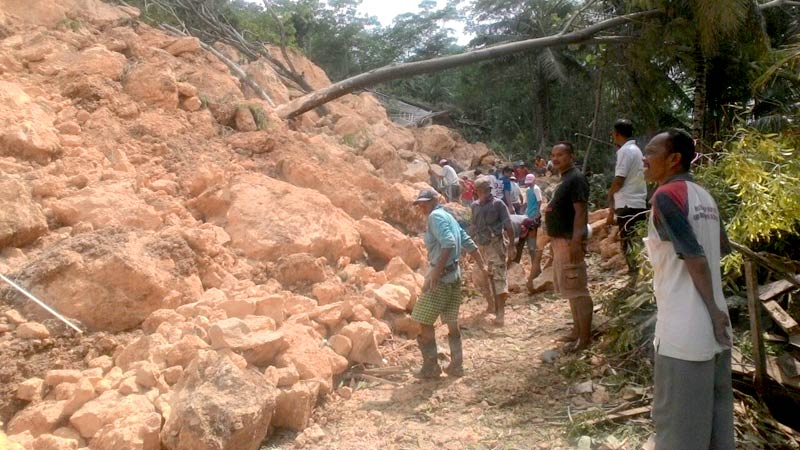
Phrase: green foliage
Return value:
(576, 369)
(757, 184)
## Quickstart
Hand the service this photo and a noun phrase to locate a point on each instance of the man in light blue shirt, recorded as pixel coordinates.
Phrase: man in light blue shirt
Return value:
(444, 239)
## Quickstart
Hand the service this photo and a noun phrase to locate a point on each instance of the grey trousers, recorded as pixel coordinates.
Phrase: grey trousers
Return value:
(693, 403)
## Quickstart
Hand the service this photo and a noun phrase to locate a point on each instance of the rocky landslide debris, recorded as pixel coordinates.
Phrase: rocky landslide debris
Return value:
(228, 267)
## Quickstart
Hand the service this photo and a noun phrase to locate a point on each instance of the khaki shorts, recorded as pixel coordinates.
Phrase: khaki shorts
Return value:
(569, 280)
(494, 254)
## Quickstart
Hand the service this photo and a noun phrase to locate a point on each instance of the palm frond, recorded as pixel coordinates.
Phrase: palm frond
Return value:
(717, 20)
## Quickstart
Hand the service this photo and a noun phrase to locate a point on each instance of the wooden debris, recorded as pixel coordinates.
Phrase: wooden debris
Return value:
(759, 352)
(772, 337)
(776, 288)
(371, 378)
(789, 365)
(782, 318)
(774, 371)
(627, 414)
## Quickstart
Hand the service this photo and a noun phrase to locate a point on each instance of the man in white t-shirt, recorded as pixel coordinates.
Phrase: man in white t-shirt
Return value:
(451, 186)
(693, 396)
(627, 197)
(496, 184)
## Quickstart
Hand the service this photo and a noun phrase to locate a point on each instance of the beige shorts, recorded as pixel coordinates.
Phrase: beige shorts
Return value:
(495, 255)
(569, 280)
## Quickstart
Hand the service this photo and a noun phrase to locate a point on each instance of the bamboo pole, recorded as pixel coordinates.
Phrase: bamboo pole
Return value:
(754, 309)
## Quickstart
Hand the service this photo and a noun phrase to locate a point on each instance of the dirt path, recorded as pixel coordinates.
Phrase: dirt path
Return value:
(509, 398)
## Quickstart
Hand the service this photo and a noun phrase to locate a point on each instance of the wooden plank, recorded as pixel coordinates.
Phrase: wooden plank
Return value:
(776, 288)
(795, 340)
(774, 372)
(628, 414)
(782, 318)
(753, 308)
(771, 337)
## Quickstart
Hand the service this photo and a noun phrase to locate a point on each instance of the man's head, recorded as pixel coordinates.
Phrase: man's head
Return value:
(443, 162)
(669, 153)
(622, 132)
(427, 200)
(562, 156)
(507, 171)
(483, 188)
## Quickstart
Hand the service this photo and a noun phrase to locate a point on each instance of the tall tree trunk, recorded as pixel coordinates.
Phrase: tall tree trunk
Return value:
(405, 70)
(598, 100)
(544, 101)
(699, 108)
(539, 111)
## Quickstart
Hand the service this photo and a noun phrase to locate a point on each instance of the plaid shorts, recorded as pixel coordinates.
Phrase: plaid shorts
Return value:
(443, 301)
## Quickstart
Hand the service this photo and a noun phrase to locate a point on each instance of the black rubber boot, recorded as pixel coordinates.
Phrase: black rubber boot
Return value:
(430, 364)
(456, 367)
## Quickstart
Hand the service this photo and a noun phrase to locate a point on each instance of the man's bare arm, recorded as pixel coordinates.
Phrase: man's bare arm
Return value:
(616, 185)
(701, 278)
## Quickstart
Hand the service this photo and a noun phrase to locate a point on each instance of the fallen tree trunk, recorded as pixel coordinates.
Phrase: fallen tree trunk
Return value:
(404, 70)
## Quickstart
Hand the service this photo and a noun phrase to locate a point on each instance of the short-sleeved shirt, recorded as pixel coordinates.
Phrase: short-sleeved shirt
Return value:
(533, 198)
(445, 232)
(521, 225)
(506, 183)
(560, 213)
(450, 176)
(516, 194)
(633, 193)
(671, 219)
(685, 222)
(488, 220)
(497, 187)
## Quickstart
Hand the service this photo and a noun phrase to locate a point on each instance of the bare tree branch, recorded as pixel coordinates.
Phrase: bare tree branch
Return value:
(575, 16)
(231, 65)
(282, 31)
(392, 72)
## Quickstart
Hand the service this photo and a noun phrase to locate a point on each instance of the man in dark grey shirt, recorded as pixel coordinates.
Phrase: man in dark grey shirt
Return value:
(565, 220)
(491, 230)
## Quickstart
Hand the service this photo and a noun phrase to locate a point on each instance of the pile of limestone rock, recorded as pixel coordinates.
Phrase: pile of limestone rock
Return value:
(145, 190)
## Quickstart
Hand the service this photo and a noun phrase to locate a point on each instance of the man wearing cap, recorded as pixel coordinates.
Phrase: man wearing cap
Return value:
(506, 180)
(533, 197)
(520, 170)
(441, 297)
(450, 181)
(533, 207)
(491, 228)
(525, 233)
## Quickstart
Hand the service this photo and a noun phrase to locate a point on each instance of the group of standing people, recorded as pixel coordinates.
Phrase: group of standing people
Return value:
(693, 400)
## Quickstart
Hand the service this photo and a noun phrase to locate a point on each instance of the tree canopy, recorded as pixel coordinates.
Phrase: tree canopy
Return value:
(697, 64)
